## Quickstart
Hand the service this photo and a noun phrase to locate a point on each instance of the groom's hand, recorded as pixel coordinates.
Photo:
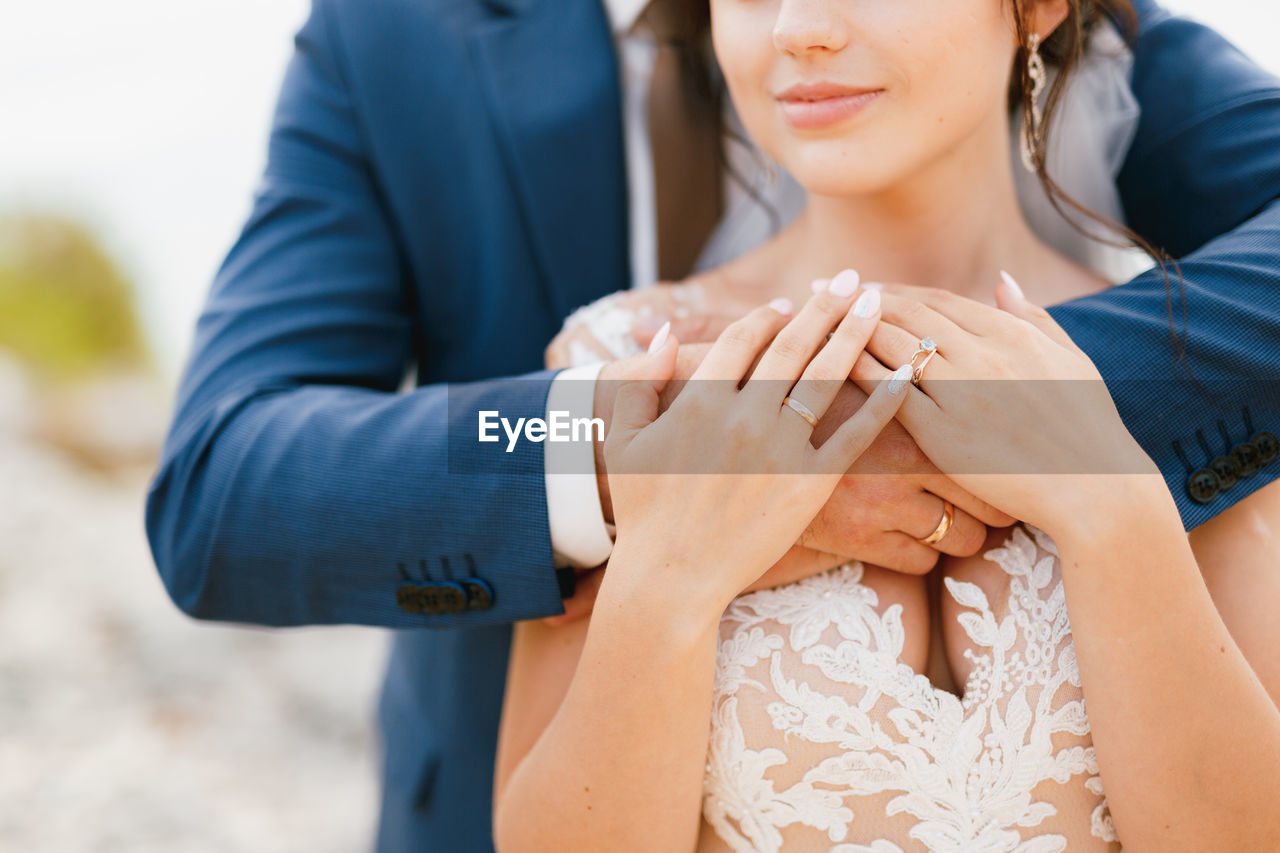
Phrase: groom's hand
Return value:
(890, 499)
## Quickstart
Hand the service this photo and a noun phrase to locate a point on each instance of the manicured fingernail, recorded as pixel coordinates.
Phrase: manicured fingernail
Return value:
(1013, 285)
(898, 381)
(873, 285)
(782, 305)
(660, 338)
(844, 284)
(819, 284)
(867, 304)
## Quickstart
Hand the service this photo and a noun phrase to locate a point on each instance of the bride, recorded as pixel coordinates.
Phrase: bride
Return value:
(861, 709)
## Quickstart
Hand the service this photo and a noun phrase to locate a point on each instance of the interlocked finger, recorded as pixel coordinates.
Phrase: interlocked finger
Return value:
(957, 533)
(830, 368)
(789, 354)
(735, 350)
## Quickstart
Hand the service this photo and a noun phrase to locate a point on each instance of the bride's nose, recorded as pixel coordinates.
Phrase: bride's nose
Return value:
(805, 26)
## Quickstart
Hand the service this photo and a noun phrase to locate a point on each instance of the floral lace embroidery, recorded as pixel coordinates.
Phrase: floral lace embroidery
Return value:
(825, 667)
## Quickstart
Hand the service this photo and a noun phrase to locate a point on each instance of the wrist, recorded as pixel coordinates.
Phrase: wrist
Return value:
(1123, 478)
(663, 578)
(1117, 508)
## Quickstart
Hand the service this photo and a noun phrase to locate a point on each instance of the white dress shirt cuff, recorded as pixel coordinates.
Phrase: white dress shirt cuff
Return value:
(579, 536)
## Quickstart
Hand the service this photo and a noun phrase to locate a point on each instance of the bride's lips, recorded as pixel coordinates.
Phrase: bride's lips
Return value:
(822, 104)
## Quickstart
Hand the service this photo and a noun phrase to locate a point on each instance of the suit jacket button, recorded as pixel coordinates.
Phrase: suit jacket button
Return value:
(408, 599)
(429, 599)
(1203, 486)
(453, 598)
(1267, 446)
(1246, 459)
(1225, 468)
(479, 594)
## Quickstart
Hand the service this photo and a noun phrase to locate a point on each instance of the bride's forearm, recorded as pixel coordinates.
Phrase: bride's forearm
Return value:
(620, 766)
(1187, 738)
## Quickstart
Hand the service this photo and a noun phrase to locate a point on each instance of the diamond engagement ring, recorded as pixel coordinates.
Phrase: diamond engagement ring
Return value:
(928, 349)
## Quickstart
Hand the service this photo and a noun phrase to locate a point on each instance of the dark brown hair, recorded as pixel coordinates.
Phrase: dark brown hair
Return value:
(1064, 48)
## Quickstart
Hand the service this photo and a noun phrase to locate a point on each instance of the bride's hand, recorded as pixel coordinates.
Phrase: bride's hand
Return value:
(615, 326)
(716, 489)
(1008, 406)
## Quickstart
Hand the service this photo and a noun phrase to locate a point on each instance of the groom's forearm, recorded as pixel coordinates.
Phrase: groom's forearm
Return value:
(1220, 398)
(1201, 181)
(318, 504)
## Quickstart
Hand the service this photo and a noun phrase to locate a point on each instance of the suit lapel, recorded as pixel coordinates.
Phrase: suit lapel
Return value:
(549, 72)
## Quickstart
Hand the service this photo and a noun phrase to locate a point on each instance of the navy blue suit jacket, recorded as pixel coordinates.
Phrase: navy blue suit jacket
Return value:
(445, 182)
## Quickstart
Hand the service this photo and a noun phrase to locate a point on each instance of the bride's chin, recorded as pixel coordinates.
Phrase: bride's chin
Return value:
(837, 180)
(837, 171)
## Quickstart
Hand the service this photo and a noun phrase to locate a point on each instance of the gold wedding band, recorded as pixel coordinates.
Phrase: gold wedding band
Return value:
(928, 349)
(802, 410)
(948, 516)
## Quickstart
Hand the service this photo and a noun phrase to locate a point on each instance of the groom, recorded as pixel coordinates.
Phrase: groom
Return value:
(445, 182)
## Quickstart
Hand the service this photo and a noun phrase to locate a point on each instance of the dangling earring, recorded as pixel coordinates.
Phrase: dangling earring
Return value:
(1030, 136)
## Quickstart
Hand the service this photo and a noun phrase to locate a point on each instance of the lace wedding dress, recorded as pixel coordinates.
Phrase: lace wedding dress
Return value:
(823, 739)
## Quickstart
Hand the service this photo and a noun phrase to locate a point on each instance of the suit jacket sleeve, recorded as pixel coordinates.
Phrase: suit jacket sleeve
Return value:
(1202, 181)
(296, 486)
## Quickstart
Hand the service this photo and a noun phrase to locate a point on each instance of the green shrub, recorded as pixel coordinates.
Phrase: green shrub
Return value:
(66, 310)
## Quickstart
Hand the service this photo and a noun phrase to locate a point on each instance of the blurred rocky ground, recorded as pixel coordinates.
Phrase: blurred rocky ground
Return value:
(125, 725)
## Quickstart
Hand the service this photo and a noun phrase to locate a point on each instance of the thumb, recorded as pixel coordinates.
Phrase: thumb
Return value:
(636, 405)
(1009, 298)
(692, 329)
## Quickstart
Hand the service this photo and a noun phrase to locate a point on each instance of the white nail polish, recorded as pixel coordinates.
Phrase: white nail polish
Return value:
(783, 306)
(873, 285)
(867, 304)
(1013, 285)
(899, 380)
(819, 284)
(845, 283)
(660, 338)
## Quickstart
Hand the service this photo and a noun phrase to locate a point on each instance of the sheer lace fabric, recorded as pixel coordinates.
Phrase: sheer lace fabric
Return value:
(823, 739)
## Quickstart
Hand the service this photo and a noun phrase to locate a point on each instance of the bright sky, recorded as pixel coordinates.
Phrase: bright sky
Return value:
(148, 119)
